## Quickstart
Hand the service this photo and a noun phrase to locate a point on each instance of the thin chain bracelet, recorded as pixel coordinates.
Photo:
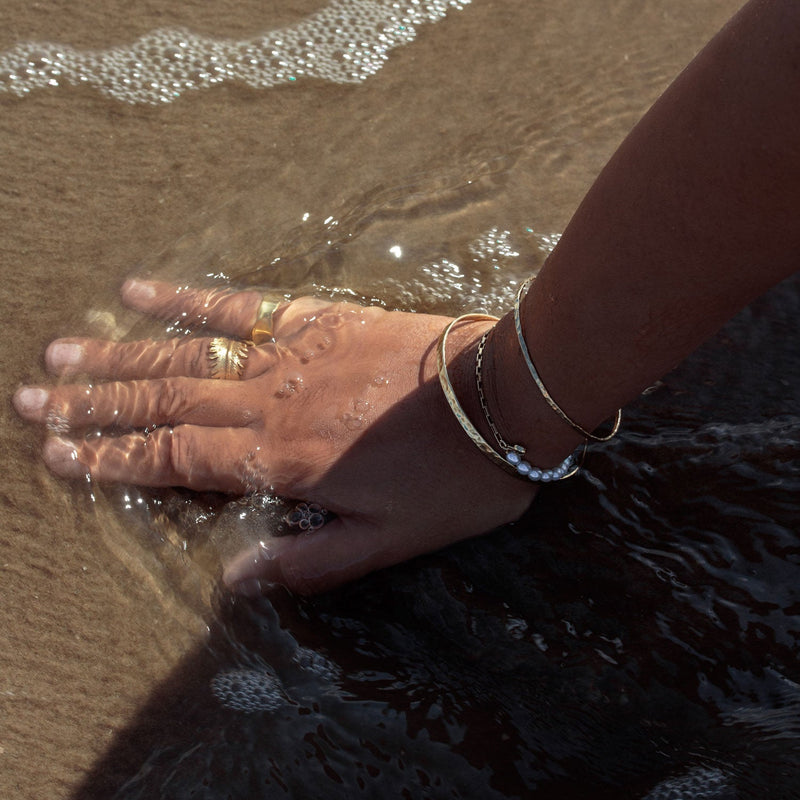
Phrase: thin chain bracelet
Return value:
(515, 453)
(517, 448)
(511, 461)
(450, 394)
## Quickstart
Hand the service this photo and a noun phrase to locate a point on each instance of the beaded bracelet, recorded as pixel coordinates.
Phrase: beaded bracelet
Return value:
(535, 375)
(515, 453)
(512, 462)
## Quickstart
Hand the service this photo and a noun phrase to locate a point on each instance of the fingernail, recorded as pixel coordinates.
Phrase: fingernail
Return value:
(61, 355)
(136, 292)
(29, 401)
(61, 457)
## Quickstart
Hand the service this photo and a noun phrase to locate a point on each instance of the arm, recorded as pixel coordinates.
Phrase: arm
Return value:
(694, 216)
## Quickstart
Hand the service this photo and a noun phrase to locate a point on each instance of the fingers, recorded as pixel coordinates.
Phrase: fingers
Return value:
(308, 563)
(198, 458)
(125, 361)
(138, 404)
(233, 313)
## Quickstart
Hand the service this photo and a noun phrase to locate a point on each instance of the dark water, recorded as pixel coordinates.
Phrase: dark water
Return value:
(635, 635)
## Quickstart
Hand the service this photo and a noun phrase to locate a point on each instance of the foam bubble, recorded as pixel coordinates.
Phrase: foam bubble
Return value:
(248, 690)
(699, 783)
(345, 42)
(487, 282)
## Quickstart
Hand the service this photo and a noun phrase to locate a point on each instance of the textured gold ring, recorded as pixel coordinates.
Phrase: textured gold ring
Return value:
(227, 357)
(262, 330)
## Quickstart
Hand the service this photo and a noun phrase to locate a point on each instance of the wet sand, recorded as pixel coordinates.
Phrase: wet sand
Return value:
(499, 115)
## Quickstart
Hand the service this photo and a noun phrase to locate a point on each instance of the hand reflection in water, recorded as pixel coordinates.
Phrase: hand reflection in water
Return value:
(344, 409)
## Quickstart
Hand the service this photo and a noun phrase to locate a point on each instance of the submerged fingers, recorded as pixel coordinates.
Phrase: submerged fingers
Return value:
(167, 401)
(233, 313)
(194, 457)
(308, 563)
(125, 361)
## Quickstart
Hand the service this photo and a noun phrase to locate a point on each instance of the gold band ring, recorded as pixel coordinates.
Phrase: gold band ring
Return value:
(262, 330)
(227, 357)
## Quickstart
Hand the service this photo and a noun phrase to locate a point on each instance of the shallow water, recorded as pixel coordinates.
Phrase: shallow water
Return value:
(639, 626)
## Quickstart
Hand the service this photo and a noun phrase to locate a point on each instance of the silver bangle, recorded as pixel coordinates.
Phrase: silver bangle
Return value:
(535, 375)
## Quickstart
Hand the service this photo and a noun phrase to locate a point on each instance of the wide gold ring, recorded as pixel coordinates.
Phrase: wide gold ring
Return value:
(262, 330)
(227, 357)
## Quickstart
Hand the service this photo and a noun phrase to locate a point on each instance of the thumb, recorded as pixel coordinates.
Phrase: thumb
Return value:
(308, 563)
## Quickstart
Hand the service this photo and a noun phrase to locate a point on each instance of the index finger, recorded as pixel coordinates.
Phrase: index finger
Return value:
(233, 313)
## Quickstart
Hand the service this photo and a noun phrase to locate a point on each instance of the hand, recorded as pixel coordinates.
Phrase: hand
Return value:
(344, 409)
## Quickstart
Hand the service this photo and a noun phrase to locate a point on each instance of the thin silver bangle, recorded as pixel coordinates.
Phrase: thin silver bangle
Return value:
(542, 388)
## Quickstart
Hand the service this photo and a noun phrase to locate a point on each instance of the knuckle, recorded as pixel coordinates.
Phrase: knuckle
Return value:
(119, 357)
(194, 358)
(294, 315)
(178, 453)
(170, 400)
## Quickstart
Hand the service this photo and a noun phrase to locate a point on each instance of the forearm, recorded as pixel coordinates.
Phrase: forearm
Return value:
(694, 216)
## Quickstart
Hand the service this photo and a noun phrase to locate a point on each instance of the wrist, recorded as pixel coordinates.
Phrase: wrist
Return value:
(468, 402)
